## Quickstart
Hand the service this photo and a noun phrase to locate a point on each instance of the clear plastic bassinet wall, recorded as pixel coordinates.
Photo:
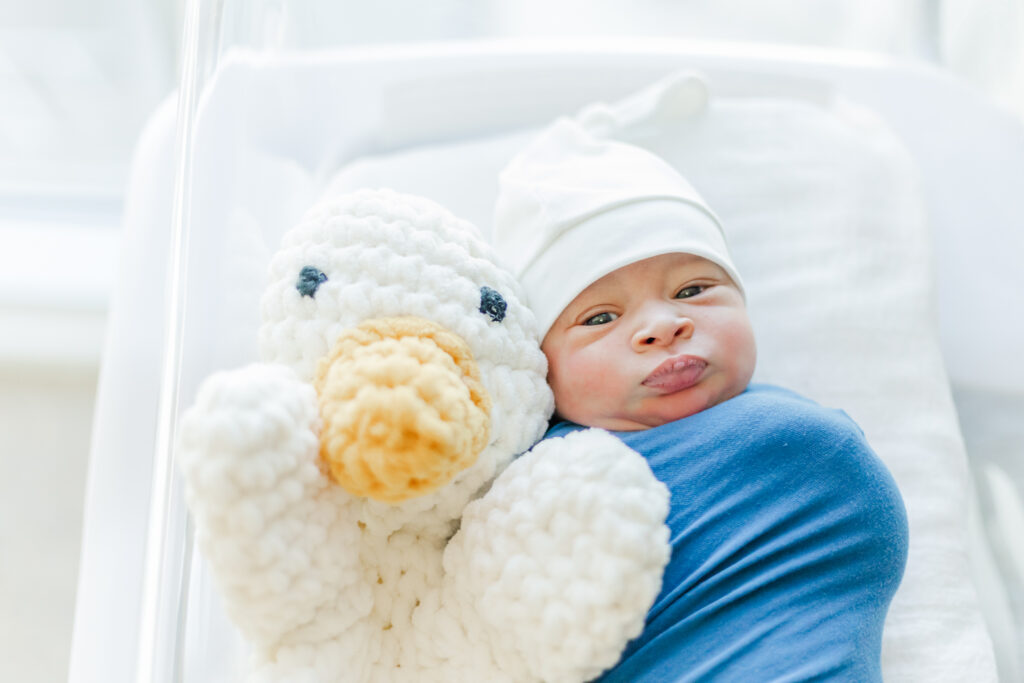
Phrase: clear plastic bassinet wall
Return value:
(283, 101)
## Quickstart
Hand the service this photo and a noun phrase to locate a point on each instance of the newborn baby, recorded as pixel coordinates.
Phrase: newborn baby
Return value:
(789, 536)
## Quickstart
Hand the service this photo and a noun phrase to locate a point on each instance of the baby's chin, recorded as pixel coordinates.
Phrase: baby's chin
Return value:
(653, 411)
(664, 410)
(635, 422)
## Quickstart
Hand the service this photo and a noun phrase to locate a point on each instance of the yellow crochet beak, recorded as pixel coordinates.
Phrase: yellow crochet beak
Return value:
(403, 408)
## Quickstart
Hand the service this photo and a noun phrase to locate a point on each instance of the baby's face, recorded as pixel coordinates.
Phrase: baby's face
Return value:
(650, 343)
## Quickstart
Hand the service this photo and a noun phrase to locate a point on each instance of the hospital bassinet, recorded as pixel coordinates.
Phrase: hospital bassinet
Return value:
(262, 133)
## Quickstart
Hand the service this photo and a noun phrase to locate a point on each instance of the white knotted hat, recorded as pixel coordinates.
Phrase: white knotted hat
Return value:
(574, 206)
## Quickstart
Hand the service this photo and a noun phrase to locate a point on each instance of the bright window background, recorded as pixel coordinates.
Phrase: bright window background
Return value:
(77, 82)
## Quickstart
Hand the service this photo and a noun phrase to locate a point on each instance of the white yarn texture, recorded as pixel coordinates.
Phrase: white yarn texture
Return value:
(540, 567)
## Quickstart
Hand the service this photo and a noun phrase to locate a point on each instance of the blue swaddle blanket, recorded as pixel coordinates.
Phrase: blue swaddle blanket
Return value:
(789, 538)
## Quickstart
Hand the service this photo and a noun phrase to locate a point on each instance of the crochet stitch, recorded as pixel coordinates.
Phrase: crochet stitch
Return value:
(357, 493)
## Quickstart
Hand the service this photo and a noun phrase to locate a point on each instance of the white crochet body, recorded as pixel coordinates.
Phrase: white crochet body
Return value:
(540, 567)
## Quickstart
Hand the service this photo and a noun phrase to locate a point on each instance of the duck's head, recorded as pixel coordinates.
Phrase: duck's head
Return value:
(425, 358)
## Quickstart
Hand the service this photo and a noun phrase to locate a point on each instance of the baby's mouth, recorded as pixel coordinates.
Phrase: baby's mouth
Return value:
(676, 374)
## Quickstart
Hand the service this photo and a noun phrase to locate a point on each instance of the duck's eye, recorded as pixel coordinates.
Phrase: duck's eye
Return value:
(310, 279)
(492, 304)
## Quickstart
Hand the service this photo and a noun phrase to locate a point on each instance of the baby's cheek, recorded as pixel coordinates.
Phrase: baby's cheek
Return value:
(577, 381)
(744, 352)
(588, 388)
(587, 369)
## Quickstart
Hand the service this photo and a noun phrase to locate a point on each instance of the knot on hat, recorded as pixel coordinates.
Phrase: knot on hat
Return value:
(647, 112)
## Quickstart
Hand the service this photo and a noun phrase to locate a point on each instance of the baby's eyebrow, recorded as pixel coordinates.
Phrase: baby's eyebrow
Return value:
(692, 266)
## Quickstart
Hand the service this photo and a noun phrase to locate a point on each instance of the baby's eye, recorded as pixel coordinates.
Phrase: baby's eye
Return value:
(601, 319)
(692, 290)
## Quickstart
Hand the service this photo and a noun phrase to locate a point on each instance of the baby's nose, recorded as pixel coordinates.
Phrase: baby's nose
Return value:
(661, 330)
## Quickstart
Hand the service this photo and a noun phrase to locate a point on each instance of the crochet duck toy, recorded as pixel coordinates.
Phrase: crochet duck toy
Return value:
(358, 494)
